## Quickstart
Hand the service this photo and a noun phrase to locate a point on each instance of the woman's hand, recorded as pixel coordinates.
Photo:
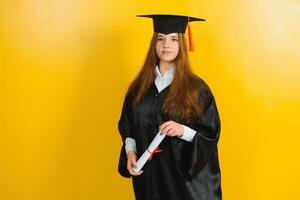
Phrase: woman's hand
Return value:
(131, 161)
(171, 128)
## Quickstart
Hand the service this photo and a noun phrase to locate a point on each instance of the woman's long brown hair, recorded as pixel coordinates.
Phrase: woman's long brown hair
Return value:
(182, 100)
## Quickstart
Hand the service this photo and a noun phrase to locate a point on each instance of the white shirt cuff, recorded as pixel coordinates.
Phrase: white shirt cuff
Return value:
(130, 145)
(188, 134)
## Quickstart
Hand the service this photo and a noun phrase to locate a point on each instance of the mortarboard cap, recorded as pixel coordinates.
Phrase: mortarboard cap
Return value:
(173, 24)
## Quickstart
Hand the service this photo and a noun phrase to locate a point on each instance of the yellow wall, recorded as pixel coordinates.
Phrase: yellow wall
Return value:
(64, 68)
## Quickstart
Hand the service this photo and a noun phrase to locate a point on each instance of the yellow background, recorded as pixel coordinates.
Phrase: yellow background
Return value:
(65, 66)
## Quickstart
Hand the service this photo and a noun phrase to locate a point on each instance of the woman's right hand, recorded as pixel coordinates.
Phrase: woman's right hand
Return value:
(131, 161)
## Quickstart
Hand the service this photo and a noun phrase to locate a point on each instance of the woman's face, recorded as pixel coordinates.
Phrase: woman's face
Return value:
(167, 46)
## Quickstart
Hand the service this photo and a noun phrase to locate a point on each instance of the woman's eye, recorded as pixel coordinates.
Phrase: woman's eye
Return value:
(159, 38)
(174, 40)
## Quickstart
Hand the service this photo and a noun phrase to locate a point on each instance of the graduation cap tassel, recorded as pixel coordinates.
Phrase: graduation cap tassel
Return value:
(191, 42)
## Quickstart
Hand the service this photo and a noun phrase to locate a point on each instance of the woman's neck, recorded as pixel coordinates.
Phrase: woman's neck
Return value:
(165, 66)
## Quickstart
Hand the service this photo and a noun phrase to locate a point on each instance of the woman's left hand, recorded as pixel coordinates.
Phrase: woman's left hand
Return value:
(171, 128)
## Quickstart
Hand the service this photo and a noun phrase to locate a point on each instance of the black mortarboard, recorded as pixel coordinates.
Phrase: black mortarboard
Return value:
(173, 24)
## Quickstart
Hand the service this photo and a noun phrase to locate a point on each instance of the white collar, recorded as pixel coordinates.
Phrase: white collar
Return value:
(171, 71)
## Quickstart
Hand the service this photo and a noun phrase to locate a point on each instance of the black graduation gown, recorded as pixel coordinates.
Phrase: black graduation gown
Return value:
(183, 170)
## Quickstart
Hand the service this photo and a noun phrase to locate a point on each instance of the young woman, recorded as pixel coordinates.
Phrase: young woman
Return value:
(167, 96)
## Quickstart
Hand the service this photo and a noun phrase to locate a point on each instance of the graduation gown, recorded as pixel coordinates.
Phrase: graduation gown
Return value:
(182, 170)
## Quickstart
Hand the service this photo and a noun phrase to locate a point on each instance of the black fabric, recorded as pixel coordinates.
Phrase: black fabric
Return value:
(170, 23)
(183, 170)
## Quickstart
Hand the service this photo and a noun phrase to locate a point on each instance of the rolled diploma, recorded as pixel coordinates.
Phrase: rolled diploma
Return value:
(143, 159)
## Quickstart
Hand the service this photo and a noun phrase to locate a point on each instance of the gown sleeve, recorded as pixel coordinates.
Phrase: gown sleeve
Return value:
(125, 127)
(192, 157)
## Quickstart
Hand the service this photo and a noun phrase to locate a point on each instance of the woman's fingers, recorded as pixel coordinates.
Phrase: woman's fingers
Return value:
(170, 130)
(130, 164)
(133, 162)
(166, 129)
(166, 124)
(133, 173)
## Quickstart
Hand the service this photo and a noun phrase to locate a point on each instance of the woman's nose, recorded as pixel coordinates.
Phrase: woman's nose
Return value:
(167, 43)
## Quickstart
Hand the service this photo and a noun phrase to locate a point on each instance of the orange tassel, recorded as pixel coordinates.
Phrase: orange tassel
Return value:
(191, 42)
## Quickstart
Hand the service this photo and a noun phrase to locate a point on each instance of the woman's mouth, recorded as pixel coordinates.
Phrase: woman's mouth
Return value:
(166, 52)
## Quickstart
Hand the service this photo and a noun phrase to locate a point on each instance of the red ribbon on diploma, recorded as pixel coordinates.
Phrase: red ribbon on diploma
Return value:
(156, 150)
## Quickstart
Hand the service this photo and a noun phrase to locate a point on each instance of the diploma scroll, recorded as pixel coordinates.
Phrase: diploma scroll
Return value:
(148, 153)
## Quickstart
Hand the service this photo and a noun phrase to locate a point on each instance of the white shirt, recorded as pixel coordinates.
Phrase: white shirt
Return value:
(161, 82)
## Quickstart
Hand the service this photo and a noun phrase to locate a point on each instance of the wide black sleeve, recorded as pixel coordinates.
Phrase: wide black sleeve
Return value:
(125, 127)
(192, 157)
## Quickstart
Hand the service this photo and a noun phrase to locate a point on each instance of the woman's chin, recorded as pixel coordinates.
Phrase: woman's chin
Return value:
(167, 59)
